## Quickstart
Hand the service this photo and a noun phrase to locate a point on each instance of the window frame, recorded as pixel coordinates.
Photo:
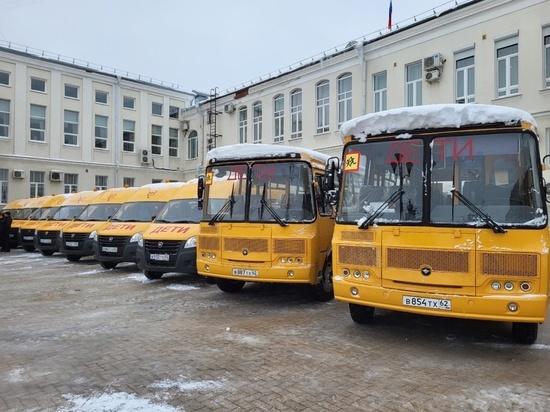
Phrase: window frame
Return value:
(156, 139)
(465, 76)
(71, 87)
(156, 109)
(173, 142)
(5, 127)
(4, 185)
(71, 124)
(101, 92)
(243, 124)
(413, 85)
(8, 75)
(508, 63)
(128, 99)
(322, 106)
(101, 182)
(99, 128)
(41, 131)
(126, 134)
(257, 122)
(345, 95)
(36, 183)
(34, 80)
(546, 55)
(379, 94)
(70, 182)
(279, 118)
(192, 145)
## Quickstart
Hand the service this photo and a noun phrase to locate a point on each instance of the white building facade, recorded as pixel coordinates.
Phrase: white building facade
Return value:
(489, 51)
(66, 128)
(93, 127)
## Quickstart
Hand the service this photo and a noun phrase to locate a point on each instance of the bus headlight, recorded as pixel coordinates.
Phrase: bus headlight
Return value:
(513, 307)
(356, 274)
(495, 285)
(191, 242)
(136, 237)
(509, 286)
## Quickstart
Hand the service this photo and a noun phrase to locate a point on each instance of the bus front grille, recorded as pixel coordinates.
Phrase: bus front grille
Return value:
(509, 264)
(358, 255)
(356, 236)
(209, 242)
(289, 246)
(236, 244)
(440, 260)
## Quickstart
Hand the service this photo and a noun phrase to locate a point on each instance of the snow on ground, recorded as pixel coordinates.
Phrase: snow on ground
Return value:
(114, 402)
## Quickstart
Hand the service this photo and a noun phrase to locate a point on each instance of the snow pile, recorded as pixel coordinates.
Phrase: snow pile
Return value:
(252, 151)
(434, 116)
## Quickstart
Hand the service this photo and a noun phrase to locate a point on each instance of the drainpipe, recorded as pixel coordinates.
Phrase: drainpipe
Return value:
(117, 131)
(361, 55)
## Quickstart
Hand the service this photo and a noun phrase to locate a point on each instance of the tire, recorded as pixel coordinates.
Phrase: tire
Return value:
(525, 332)
(152, 275)
(230, 286)
(361, 314)
(73, 258)
(107, 265)
(324, 290)
(29, 248)
(47, 252)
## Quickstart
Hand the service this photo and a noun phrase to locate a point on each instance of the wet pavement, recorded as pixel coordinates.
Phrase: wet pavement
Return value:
(76, 337)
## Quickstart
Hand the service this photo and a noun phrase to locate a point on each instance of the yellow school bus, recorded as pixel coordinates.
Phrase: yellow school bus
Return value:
(47, 208)
(169, 243)
(264, 218)
(20, 212)
(78, 236)
(442, 212)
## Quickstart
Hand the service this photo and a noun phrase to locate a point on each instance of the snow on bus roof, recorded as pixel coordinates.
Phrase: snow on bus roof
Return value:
(253, 151)
(435, 116)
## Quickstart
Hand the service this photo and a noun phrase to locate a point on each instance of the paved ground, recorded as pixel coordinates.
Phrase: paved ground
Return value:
(75, 337)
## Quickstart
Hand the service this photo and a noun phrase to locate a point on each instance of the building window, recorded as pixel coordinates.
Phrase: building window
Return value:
(257, 122)
(71, 128)
(156, 109)
(128, 181)
(4, 118)
(380, 88)
(322, 96)
(344, 98)
(38, 123)
(243, 125)
(547, 55)
(507, 66)
(156, 139)
(279, 118)
(296, 114)
(4, 78)
(4, 185)
(129, 103)
(70, 181)
(413, 85)
(71, 91)
(173, 150)
(37, 183)
(174, 112)
(101, 97)
(100, 131)
(465, 80)
(101, 182)
(128, 136)
(192, 145)
(38, 85)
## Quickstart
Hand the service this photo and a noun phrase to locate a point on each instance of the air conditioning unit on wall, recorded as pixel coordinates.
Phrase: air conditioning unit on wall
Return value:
(145, 157)
(18, 174)
(432, 76)
(435, 61)
(56, 176)
(229, 108)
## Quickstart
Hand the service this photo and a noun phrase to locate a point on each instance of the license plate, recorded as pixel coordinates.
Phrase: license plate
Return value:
(163, 257)
(72, 244)
(109, 249)
(45, 241)
(245, 272)
(28, 238)
(441, 304)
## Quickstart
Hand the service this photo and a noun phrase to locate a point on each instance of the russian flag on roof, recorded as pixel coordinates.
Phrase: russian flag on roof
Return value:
(389, 16)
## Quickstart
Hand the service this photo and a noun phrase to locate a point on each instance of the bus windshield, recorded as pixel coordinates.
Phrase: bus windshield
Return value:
(467, 180)
(278, 192)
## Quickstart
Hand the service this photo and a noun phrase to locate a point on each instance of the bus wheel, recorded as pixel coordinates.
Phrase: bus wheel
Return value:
(73, 258)
(229, 286)
(361, 314)
(323, 290)
(152, 275)
(47, 252)
(525, 332)
(107, 265)
(29, 248)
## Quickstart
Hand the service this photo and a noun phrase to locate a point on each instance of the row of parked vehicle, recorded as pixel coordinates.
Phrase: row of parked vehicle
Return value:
(154, 225)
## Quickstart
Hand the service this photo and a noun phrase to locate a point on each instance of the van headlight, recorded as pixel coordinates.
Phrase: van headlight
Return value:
(136, 237)
(191, 242)
(93, 235)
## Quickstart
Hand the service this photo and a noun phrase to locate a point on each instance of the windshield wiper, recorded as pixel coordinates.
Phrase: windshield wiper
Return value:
(272, 212)
(392, 199)
(228, 205)
(490, 222)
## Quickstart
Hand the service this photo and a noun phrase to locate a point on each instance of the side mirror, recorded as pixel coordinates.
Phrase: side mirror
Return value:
(200, 191)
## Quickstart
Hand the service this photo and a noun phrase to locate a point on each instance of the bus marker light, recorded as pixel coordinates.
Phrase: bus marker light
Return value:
(207, 267)
(356, 274)
(346, 272)
(509, 286)
(366, 274)
(525, 286)
(354, 291)
(298, 260)
(496, 285)
(290, 273)
(283, 260)
(513, 307)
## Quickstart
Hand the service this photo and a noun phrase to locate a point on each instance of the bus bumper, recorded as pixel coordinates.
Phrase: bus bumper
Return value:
(183, 262)
(530, 307)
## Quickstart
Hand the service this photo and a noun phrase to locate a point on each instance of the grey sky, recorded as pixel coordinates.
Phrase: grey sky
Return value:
(201, 44)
